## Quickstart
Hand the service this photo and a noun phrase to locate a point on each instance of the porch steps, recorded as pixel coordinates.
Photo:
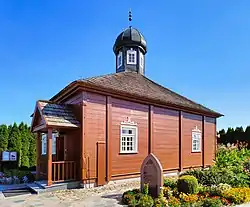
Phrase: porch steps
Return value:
(41, 186)
(35, 188)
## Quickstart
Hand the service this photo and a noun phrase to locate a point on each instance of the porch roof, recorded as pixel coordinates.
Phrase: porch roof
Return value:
(56, 115)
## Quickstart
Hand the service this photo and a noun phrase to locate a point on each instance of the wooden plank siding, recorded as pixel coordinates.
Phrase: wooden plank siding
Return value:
(190, 159)
(209, 140)
(165, 132)
(123, 164)
(94, 129)
(166, 137)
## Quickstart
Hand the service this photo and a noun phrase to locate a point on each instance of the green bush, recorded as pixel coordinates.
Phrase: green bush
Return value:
(145, 201)
(145, 189)
(187, 184)
(212, 202)
(128, 196)
(170, 182)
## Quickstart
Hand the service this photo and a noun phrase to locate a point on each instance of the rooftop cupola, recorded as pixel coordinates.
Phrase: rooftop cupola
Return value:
(130, 48)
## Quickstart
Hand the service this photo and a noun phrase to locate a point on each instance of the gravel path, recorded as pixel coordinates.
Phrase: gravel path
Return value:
(105, 196)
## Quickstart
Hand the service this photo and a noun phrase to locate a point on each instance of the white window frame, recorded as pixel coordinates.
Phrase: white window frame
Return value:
(134, 142)
(44, 144)
(131, 52)
(119, 59)
(54, 135)
(141, 60)
(196, 140)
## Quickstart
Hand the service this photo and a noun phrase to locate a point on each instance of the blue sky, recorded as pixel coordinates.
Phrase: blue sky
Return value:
(200, 49)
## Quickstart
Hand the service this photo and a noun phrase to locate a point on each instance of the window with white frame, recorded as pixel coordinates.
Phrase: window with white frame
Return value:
(44, 144)
(128, 140)
(131, 57)
(119, 60)
(54, 144)
(141, 60)
(196, 140)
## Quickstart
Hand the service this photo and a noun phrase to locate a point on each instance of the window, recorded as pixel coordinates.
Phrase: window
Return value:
(53, 144)
(196, 140)
(141, 60)
(128, 142)
(131, 57)
(44, 144)
(119, 60)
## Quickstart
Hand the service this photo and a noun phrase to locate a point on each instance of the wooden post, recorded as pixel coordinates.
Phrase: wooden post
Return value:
(180, 141)
(49, 156)
(82, 162)
(203, 141)
(101, 151)
(151, 129)
(108, 138)
(38, 155)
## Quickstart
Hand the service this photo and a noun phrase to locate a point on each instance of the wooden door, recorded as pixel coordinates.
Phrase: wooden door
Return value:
(60, 148)
(101, 165)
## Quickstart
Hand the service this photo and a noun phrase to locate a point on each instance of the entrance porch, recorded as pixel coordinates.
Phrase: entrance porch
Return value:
(58, 137)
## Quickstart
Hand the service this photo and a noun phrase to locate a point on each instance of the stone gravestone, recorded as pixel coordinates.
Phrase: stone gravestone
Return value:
(152, 174)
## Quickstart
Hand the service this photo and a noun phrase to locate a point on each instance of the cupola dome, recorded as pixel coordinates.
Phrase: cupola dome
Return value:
(130, 37)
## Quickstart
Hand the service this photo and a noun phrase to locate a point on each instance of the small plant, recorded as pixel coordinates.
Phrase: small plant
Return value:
(145, 189)
(145, 201)
(127, 197)
(170, 182)
(174, 202)
(188, 198)
(187, 184)
(212, 202)
(237, 195)
(166, 191)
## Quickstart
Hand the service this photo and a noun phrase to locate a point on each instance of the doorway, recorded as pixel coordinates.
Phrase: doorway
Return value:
(60, 150)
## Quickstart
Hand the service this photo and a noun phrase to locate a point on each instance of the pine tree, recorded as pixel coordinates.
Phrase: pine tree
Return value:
(3, 137)
(23, 128)
(15, 142)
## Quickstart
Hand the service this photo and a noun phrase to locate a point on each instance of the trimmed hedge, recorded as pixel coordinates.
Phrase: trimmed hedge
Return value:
(187, 184)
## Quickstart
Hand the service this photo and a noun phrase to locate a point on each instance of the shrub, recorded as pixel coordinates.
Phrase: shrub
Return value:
(127, 197)
(237, 195)
(145, 201)
(170, 182)
(187, 184)
(212, 202)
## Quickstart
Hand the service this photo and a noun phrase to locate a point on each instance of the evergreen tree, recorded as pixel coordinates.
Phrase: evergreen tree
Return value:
(24, 133)
(239, 134)
(32, 149)
(247, 134)
(230, 135)
(3, 137)
(15, 142)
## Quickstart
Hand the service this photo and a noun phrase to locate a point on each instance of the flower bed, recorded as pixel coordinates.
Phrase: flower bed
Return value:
(226, 183)
(15, 177)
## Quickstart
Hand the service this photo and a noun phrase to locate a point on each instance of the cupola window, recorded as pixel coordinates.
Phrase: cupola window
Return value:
(131, 57)
(119, 60)
(141, 60)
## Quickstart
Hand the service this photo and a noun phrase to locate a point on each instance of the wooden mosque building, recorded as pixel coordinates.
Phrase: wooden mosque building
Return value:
(100, 129)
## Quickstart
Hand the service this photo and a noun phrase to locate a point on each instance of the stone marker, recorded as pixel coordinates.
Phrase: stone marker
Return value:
(152, 174)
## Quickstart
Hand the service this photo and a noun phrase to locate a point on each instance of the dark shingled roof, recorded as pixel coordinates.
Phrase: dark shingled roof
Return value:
(58, 114)
(138, 85)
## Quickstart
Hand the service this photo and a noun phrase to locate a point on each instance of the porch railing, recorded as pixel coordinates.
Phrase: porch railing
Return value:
(63, 171)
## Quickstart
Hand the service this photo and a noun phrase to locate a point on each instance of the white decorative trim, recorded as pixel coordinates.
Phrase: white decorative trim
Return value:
(128, 122)
(196, 129)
